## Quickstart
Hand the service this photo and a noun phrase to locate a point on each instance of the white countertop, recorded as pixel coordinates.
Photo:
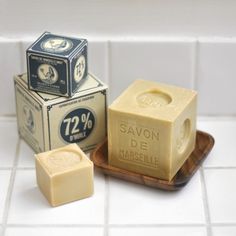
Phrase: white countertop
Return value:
(205, 207)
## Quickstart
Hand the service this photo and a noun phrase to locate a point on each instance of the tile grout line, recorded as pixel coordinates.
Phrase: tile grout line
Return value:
(6, 168)
(117, 225)
(25, 168)
(203, 118)
(218, 167)
(111, 225)
(10, 189)
(205, 203)
(106, 206)
(55, 225)
(8, 118)
(125, 38)
(219, 118)
(195, 64)
(156, 225)
(21, 55)
(17, 168)
(224, 224)
(109, 70)
(109, 81)
(107, 64)
(205, 168)
(161, 225)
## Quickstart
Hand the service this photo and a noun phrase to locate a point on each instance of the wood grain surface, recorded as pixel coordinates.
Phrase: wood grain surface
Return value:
(204, 144)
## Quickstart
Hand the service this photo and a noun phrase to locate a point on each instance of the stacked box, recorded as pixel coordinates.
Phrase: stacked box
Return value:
(57, 64)
(47, 121)
(57, 101)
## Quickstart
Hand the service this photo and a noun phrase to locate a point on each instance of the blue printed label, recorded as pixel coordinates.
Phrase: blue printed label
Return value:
(77, 125)
(79, 68)
(48, 74)
(56, 45)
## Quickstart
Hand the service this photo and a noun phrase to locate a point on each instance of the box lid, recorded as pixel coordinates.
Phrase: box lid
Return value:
(57, 45)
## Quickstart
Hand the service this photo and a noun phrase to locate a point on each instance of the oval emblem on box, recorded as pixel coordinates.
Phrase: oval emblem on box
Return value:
(77, 125)
(79, 68)
(47, 73)
(56, 45)
(29, 119)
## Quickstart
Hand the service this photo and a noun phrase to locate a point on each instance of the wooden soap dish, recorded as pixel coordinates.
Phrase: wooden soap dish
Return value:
(204, 144)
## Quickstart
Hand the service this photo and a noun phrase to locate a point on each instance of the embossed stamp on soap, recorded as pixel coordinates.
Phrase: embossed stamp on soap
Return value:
(137, 142)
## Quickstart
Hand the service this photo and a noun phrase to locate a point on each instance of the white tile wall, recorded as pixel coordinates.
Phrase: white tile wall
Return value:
(221, 191)
(10, 64)
(49, 231)
(150, 206)
(26, 156)
(119, 18)
(163, 61)
(223, 231)
(98, 59)
(216, 77)
(8, 142)
(4, 180)
(224, 152)
(206, 64)
(24, 44)
(163, 231)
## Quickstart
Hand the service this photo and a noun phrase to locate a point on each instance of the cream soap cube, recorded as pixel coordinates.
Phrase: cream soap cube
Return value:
(152, 128)
(64, 174)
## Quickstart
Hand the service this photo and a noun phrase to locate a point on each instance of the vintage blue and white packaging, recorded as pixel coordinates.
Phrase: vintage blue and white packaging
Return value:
(57, 64)
(47, 121)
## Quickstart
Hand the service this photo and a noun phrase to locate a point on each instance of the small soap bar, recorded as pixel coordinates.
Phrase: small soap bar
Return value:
(152, 128)
(64, 174)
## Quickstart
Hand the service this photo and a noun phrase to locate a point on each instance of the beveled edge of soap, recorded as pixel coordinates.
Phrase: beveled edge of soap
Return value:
(192, 94)
(84, 160)
(165, 88)
(204, 144)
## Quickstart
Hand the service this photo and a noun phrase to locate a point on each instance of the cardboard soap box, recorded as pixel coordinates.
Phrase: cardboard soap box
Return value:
(57, 64)
(47, 121)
